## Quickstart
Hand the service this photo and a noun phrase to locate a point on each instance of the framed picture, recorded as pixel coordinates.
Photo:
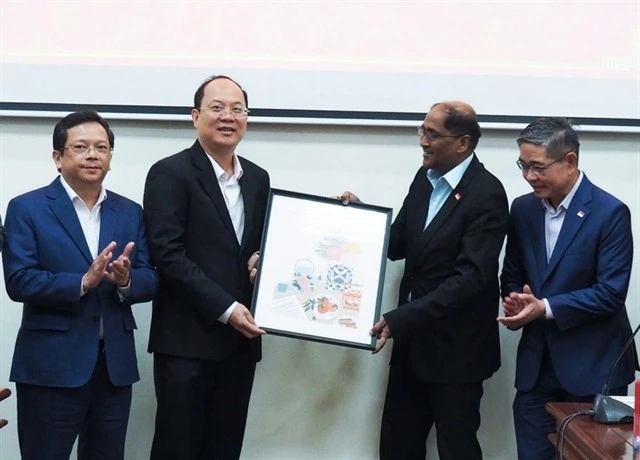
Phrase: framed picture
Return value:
(321, 270)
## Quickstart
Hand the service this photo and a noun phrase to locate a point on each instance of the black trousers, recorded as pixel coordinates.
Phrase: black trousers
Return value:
(413, 406)
(202, 407)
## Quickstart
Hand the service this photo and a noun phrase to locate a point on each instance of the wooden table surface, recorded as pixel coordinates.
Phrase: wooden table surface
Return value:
(586, 439)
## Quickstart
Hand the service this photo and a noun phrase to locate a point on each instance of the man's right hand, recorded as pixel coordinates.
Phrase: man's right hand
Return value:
(348, 197)
(98, 268)
(242, 321)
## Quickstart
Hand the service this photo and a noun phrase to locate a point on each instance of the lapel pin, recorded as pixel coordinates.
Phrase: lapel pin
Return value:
(458, 196)
(580, 213)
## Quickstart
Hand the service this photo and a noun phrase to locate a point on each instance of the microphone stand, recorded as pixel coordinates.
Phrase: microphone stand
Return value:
(606, 409)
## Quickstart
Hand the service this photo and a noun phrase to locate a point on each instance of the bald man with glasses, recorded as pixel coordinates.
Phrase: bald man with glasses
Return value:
(450, 231)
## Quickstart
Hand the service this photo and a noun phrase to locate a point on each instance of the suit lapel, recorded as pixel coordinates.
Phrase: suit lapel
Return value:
(108, 220)
(418, 203)
(248, 189)
(209, 183)
(574, 218)
(538, 243)
(441, 217)
(424, 201)
(63, 209)
(455, 198)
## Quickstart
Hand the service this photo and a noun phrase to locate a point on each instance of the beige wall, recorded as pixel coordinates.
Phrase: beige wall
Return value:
(310, 400)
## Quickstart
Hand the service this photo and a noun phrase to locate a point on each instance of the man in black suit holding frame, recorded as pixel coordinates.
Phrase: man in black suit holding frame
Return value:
(205, 209)
(450, 231)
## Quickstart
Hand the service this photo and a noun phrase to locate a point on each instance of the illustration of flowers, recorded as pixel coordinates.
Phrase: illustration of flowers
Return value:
(337, 249)
(342, 255)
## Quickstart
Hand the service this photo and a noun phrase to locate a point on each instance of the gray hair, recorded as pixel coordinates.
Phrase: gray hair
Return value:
(555, 134)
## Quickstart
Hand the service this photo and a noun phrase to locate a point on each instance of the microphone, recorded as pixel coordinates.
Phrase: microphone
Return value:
(606, 409)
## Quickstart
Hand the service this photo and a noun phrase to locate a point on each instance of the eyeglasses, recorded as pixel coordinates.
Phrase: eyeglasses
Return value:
(433, 135)
(83, 149)
(235, 111)
(535, 169)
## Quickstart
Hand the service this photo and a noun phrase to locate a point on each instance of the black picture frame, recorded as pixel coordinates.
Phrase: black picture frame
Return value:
(322, 269)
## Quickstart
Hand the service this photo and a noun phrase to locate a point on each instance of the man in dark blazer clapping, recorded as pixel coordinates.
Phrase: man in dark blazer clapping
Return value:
(205, 209)
(450, 231)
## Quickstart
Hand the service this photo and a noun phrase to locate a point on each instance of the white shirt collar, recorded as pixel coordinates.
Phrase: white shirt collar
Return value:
(564, 205)
(72, 193)
(221, 174)
(454, 176)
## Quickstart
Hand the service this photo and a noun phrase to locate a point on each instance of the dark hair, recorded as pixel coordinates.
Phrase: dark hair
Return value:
(460, 122)
(555, 134)
(197, 97)
(75, 119)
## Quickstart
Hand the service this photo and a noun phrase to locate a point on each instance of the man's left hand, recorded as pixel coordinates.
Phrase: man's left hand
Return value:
(119, 273)
(252, 265)
(382, 332)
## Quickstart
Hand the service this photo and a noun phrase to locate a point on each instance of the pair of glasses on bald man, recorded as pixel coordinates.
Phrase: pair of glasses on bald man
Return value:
(538, 170)
(236, 111)
(434, 135)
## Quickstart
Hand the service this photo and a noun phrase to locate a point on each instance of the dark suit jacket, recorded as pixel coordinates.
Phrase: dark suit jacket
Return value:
(1, 235)
(448, 331)
(45, 257)
(203, 269)
(585, 282)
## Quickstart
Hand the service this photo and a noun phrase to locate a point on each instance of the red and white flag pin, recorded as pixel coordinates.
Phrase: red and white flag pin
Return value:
(458, 196)
(581, 214)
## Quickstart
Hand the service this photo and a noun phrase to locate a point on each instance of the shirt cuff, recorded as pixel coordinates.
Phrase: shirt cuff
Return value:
(124, 291)
(223, 318)
(548, 312)
(82, 291)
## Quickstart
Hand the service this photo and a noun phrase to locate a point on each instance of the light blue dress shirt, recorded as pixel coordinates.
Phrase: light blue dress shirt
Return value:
(443, 186)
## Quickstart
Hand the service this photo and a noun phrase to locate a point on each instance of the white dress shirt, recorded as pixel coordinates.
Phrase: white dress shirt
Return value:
(90, 224)
(89, 218)
(553, 220)
(230, 188)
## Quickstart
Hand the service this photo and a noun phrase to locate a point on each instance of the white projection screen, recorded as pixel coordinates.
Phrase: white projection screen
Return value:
(339, 61)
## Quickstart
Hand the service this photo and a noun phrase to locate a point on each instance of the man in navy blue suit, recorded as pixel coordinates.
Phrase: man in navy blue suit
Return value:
(1, 235)
(76, 256)
(564, 282)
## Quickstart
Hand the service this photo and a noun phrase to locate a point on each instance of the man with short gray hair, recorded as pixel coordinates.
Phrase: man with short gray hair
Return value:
(564, 282)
